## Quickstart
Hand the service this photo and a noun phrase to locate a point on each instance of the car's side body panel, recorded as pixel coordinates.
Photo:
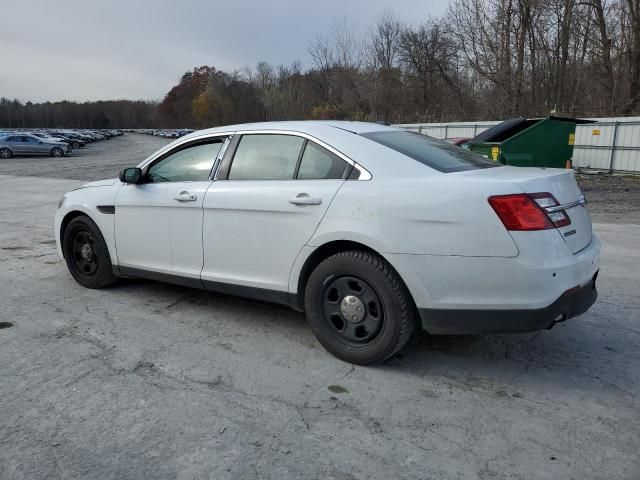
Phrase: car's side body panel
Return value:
(252, 233)
(156, 232)
(435, 216)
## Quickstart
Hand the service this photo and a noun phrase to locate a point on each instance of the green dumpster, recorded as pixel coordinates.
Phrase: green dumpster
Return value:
(529, 142)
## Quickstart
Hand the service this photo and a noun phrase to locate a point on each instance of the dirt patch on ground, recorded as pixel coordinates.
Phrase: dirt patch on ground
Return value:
(612, 198)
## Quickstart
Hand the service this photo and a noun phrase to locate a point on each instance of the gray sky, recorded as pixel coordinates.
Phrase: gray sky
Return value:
(108, 49)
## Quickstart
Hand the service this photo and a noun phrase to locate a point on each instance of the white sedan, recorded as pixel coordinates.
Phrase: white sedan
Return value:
(373, 231)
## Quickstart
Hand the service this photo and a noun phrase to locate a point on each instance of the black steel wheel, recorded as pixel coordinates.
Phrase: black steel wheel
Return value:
(353, 308)
(359, 308)
(86, 254)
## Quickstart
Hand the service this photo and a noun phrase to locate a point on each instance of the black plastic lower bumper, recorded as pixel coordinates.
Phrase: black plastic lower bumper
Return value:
(469, 322)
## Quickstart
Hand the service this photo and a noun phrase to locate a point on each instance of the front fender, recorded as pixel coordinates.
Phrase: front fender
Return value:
(85, 201)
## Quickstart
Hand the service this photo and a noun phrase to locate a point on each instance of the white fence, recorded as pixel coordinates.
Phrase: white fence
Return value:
(611, 144)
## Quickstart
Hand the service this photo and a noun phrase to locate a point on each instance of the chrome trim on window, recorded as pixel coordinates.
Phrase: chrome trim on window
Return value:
(179, 143)
(364, 173)
(218, 161)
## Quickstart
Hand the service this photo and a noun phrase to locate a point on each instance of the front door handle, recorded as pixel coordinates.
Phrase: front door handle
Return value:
(185, 197)
(305, 199)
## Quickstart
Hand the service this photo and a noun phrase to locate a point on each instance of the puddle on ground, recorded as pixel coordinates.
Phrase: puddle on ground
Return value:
(6, 325)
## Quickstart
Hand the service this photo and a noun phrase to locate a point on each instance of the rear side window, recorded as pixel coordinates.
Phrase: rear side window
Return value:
(266, 157)
(437, 154)
(319, 163)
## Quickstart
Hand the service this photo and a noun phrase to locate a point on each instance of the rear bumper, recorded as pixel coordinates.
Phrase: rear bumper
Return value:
(469, 322)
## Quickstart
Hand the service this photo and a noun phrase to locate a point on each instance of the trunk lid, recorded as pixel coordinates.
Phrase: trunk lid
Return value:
(561, 184)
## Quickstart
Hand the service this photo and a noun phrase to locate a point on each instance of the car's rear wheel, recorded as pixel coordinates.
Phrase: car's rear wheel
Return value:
(359, 308)
(5, 153)
(56, 152)
(75, 145)
(86, 254)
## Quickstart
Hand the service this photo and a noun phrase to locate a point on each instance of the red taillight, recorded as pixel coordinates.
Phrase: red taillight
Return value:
(533, 211)
(520, 212)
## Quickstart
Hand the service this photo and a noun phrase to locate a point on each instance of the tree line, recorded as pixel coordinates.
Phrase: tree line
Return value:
(484, 59)
(66, 114)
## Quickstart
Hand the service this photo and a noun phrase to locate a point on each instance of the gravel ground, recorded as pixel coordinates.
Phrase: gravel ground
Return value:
(146, 380)
(612, 198)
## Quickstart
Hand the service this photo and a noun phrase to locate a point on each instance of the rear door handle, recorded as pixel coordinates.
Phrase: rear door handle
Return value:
(305, 199)
(185, 197)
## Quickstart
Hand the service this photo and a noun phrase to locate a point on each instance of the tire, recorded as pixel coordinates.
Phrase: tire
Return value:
(86, 254)
(75, 145)
(5, 153)
(57, 152)
(385, 321)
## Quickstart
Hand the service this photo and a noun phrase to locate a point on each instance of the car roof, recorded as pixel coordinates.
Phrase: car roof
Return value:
(303, 126)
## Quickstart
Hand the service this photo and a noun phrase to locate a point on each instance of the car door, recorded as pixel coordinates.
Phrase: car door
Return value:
(158, 223)
(270, 195)
(34, 145)
(17, 146)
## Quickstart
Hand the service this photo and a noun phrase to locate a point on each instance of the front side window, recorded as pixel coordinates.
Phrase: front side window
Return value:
(30, 139)
(437, 154)
(319, 163)
(266, 157)
(191, 164)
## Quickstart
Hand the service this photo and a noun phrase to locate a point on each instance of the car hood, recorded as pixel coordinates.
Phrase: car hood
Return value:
(99, 183)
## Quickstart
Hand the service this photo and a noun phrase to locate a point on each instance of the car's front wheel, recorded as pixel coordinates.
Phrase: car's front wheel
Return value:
(5, 153)
(56, 152)
(359, 308)
(75, 145)
(86, 254)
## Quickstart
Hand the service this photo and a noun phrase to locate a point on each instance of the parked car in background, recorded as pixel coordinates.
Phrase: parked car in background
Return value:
(373, 231)
(73, 140)
(27, 144)
(50, 138)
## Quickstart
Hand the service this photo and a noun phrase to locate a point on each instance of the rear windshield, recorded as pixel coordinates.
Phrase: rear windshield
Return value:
(437, 154)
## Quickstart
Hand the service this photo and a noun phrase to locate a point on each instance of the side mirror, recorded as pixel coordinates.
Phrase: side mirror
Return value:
(131, 175)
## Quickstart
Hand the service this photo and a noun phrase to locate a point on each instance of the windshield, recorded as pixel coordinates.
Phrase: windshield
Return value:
(437, 154)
